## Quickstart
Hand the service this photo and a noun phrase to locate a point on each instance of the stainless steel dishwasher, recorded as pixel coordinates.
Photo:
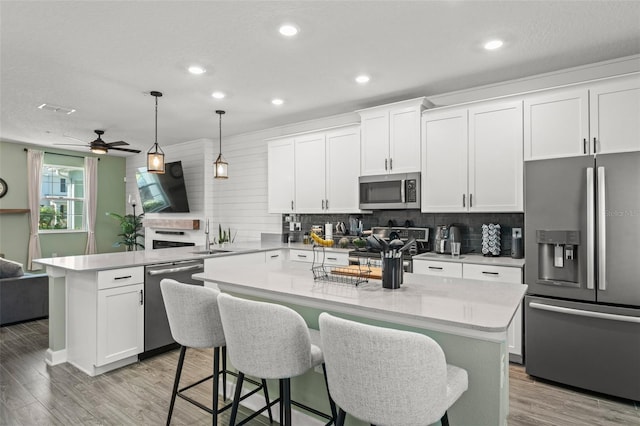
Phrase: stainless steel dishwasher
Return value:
(157, 335)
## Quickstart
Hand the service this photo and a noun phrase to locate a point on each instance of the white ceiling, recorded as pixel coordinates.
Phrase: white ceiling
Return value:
(103, 57)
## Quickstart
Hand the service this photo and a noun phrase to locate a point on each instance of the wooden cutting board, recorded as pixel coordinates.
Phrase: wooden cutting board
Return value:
(359, 271)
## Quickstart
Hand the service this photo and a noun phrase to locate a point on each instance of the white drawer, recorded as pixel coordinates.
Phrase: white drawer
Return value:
(274, 256)
(502, 274)
(442, 269)
(120, 277)
(301, 255)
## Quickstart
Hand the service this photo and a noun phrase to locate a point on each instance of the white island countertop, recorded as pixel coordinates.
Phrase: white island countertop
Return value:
(473, 308)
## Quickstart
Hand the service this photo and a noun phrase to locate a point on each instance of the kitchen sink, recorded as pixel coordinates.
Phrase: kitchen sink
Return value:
(436, 256)
(211, 251)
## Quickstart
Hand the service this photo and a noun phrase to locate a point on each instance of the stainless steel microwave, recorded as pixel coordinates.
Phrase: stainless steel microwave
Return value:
(393, 191)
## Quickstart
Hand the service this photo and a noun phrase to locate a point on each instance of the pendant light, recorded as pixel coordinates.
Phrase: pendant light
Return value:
(155, 156)
(221, 166)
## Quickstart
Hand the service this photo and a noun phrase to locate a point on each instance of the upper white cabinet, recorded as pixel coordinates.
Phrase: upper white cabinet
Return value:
(315, 172)
(391, 137)
(472, 159)
(595, 118)
(280, 180)
(614, 108)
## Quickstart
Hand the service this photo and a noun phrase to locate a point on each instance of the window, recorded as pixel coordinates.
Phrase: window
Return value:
(61, 198)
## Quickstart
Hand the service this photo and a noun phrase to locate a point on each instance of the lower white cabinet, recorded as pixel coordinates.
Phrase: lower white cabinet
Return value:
(434, 267)
(473, 271)
(330, 257)
(105, 322)
(503, 274)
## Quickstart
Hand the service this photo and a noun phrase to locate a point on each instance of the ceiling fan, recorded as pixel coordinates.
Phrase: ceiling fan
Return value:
(99, 146)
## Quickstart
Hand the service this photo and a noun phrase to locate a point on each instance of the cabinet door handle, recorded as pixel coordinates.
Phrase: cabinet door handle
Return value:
(491, 273)
(291, 204)
(464, 200)
(332, 258)
(584, 145)
(470, 200)
(385, 164)
(123, 278)
(390, 163)
(273, 256)
(327, 204)
(304, 256)
(322, 204)
(141, 298)
(594, 145)
(437, 268)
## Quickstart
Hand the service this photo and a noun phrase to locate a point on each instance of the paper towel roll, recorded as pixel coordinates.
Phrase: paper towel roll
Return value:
(328, 231)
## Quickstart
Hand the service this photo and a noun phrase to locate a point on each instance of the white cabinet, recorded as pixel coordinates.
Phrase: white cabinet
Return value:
(437, 268)
(280, 179)
(105, 318)
(275, 257)
(391, 138)
(315, 172)
(472, 159)
(502, 274)
(600, 117)
(327, 170)
(614, 108)
(331, 257)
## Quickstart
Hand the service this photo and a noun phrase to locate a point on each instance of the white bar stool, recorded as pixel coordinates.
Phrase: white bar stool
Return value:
(194, 320)
(270, 341)
(388, 377)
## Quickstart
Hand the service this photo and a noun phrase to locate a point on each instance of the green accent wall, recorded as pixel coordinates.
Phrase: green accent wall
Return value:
(14, 227)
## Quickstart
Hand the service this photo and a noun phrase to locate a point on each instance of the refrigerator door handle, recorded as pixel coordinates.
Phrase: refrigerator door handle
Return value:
(590, 229)
(602, 232)
(583, 313)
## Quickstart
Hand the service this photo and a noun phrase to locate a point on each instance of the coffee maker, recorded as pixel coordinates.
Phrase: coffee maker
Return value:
(444, 236)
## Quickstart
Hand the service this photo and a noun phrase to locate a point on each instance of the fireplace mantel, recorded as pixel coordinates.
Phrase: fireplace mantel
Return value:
(190, 224)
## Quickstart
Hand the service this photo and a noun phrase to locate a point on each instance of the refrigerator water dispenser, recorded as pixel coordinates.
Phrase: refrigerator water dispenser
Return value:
(557, 257)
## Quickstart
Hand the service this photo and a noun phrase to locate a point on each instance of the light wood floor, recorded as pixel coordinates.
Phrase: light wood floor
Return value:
(32, 393)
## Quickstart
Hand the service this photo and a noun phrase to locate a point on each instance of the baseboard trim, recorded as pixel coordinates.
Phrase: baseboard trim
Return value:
(55, 357)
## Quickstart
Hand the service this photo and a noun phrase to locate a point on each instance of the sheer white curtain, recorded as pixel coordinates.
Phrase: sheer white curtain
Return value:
(34, 176)
(91, 201)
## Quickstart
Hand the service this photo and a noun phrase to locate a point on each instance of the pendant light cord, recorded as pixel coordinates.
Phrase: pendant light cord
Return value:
(156, 142)
(220, 127)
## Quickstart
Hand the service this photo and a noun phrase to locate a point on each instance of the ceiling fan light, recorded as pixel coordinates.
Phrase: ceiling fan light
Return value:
(155, 156)
(98, 150)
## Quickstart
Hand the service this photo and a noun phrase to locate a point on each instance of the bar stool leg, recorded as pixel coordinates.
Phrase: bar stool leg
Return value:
(236, 399)
(341, 416)
(266, 398)
(224, 373)
(445, 419)
(331, 403)
(287, 402)
(176, 383)
(281, 403)
(216, 385)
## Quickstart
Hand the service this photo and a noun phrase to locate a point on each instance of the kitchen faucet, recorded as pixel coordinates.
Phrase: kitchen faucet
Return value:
(207, 243)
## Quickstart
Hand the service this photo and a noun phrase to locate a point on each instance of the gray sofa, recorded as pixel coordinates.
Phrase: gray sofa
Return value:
(23, 297)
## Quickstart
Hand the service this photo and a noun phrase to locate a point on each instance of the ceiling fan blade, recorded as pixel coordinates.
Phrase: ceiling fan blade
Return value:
(116, 143)
(126, 150)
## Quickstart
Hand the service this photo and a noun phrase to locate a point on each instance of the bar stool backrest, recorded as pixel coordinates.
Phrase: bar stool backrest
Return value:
(193, 314)
(265, 339)
(384, 376)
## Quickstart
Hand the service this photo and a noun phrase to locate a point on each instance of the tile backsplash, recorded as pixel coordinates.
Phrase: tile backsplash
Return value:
(470, 224)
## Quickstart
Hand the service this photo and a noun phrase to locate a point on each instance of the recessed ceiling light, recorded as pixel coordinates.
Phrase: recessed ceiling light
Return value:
(218, 95)
(197, 69)
(362, 79)
(493, 44)
(288, 30)
(277, 101)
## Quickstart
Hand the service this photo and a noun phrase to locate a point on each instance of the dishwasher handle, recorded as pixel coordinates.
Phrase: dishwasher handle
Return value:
(154, 272)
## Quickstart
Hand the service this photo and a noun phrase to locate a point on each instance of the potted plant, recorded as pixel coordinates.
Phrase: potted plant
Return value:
(131, 226)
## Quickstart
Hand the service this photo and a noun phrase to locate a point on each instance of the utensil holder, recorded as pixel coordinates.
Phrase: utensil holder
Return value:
(392, 272)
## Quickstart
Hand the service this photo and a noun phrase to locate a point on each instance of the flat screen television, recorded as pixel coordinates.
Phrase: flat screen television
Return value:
(163, 193)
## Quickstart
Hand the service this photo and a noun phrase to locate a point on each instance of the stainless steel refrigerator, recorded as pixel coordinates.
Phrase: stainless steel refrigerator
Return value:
(582, 253)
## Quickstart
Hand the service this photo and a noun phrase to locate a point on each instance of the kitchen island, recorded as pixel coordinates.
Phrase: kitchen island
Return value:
(468, 318)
